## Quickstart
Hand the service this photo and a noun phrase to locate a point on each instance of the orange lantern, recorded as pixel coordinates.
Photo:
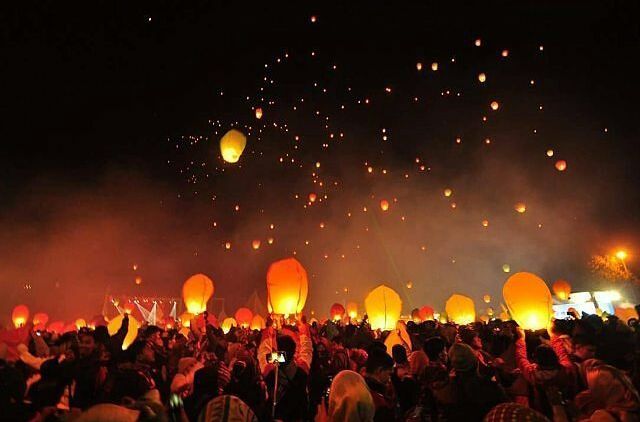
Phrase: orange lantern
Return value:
(258, 113)
(312, 197)
(562, 289)
(129, 307)
(196, 292)
(255, 244)
(352, 310)
(425, 313)
(227, 324)
(336, 312)
(561, 165)
(520, 207)
(460, 309)
(384, 205)
(138, 280)
(625, 314)
(287, 287)
(232, 145)
(494, 105)
(185, 319)
(244, 317)
(529, 300)
(383, 307)
(80, 323)
(257, 323)
(56, 327)
(486, 298)
(20, 315)
(40, 320)
(132, 331)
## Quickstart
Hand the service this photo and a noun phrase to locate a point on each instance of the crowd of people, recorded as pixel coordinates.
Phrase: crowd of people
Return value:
(584, 368)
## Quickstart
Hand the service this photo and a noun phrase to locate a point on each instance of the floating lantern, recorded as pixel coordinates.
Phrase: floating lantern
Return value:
(485, 223)
(20, 315)
(40, 320)
(486, 298)
(562, 289)
(138, 280)
(425, 313)
(255, 244)
(352, 310)
(561, 165)
(243, 317)
(434, 66)
(80, 323)
(447, 192)
(460, 309)
(383, 307)
(258, 113)
(287, 287)
(185, 319)
(132, 331)
(312, 197)
(505, 53)
(419, 66)
(129, 307)
(482, 77)
(520, 207)
(232, 145)
(56, 327)
(494, 105)
(196, 292)
(529, 300)
(384, 205)
(257, 323)
(549, 153)
(336, 312)
(227, 324)
(506, 268)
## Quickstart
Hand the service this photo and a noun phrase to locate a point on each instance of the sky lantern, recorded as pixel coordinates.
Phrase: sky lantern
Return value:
(426, 312)
(383, 306)
(482, 77)
(312, 197)
(20, 315)
(257, 323)
(419, 66)
(549, 153)
(56, 327)
(448, 192)
(227, 324)
(505, 53)
(434, 66)
(384, 205)
(196, 292)
(232, 145)
(352, 310)
(460, 309)
(485, 223)
(138, 280)
(40, 320)
(562, 289)
(128, 307)
(486, 298)
(529, 300)
(336, 312)
(258, 113)
(132, 332)
(506, 268)
(561, 165)
(80, 323)
(185, 318)
(520, 207)
(255, 244)
(494, 105)
(244, 317)
(287, 287)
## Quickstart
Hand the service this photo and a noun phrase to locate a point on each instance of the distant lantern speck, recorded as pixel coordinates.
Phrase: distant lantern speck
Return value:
(434, 66)
(448, 192)
(258, 113)
(419, 66)
(520, 207)
(384, 205)
(482, 77)
(494, 105)
(561, 165)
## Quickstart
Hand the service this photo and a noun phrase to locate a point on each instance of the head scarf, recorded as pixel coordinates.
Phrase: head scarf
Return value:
(350, 399)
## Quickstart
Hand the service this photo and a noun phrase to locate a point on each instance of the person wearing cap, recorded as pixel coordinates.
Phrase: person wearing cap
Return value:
(466, 395)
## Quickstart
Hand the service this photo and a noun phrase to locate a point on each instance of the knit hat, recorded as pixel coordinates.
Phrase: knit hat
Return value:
(514, 412)
(462, 358)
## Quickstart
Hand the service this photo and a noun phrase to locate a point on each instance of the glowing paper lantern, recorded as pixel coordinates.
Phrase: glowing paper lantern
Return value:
(384, 205)
(185, 318)
(486, 298)
(482, 77)
(257, 323)
(529, 300)
(232, 145)
(505, 53)
(138, 280)
(426, 312)
(20, 315)
(40, 319)
(336, 312)
(244, 317)
(227, 324)
(434, 66)
(494, 105)
(255, 244)
(80, 323)
(196, 292)
(383, 307)
(460, 309)
(258, 113)
(520, 207)
(562, 289)
(312, 197)
(561, 165)
(506, 268)
(129, 307)
(56, 327)
(549, 153)
(287, 287)
(448, 192)
(419, 66)
(132, 331)
(352, 310)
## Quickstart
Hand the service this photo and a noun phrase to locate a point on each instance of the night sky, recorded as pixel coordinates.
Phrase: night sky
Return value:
(112, 117)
